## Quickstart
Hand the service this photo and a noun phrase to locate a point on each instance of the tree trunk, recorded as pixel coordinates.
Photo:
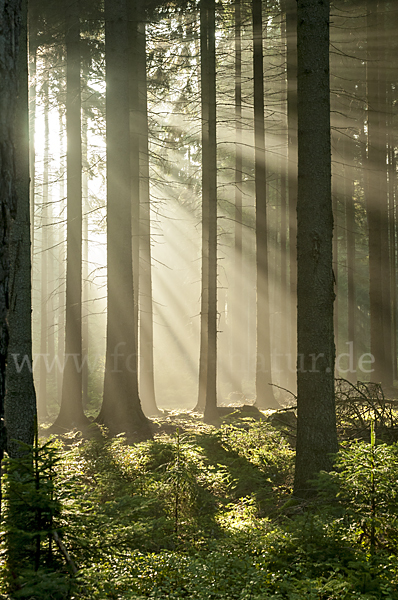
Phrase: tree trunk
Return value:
(207, 399)
(32, 125)
(10, 14)
(316, 420)
(85, 269)
(238, 330)
(61, 265)
(135, 117)
(388, 377)
(121, 408)
(20, 401)
(71, 412)
(291, 72)
(264, 393)
(210, 147)
(351, 231)
(42, 396)
(373, 190)
(147, 380)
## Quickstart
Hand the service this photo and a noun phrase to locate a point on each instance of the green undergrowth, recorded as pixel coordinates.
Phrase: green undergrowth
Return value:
(203, 513)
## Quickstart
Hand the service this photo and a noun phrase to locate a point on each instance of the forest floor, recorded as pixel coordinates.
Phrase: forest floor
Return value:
(207, 512)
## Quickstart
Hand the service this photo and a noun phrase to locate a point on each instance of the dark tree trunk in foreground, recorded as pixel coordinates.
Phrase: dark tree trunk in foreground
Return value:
(264, 392)
(10, 14)
(208, 343)
(316, 420)
(121, 408)
(20, 402)
(71, 412)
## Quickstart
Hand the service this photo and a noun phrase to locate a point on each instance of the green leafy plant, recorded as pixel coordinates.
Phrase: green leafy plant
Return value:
(365, 487)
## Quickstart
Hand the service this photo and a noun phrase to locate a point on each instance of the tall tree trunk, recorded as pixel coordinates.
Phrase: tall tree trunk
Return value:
(336, 272)
(85, 270)
(264, 392)
(388, 377)
(20, 401)
(135, 117)
(51, 374)
(210, 409)
(204, 301)
(10, 14)
(121, 408)
(61, 264)
(316, 420)
(42, 396)
(392, 233)
(351, 232)
(291, 72)
(238, 332)
(207, 399)
(373, 203)
(284, 287)
(147, 377)
(71, 411)
(32, 44)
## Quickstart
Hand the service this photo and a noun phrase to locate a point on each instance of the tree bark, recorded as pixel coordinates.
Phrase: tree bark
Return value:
(207, 399)
(147, 376)
(42, 395)
(20, 401)
(264, 393)
(10, 15)
(238, 332)
(291, 72)
(209, 193)
(316, 420)
(121, 408)
(375, 199)
(351, 231)
(71, 412)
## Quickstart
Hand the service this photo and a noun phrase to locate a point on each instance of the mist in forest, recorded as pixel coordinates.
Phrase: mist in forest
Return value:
(165, 107)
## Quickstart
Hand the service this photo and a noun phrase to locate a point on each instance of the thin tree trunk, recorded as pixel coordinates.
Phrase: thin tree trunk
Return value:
(284, 287)
(238, 331)
(85, 270)
(392, 232)
(135, 117)
(373, 204)
(316, 419)
(61, 264)
(351, 232)
(147, 377)
(32, 127)
(71, 412)
(336, 272)
(388, 377)
(291, 72)
(42, 396)
(51, 375)
(210, 410)
(264, 393)
(204, 312)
